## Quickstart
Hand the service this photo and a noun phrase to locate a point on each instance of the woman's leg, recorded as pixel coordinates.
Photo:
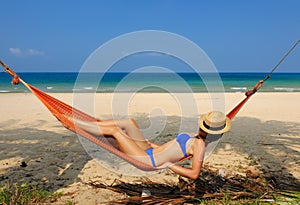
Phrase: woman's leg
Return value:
(94, 128)
(126, 126)
(131, 128)
(130, 139)
(127, 144)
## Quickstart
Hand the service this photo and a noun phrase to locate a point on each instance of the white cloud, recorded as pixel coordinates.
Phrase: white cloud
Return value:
(33, 52)
(15, 51)
(28, 52)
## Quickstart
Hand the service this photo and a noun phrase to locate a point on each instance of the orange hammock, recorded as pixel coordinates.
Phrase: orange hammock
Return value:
(65, 113)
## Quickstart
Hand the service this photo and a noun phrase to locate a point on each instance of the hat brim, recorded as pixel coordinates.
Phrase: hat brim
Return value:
(214, 132)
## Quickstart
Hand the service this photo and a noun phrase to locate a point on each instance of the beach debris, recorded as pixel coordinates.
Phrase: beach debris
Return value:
(222, 172)
(146, 193)
(209, 185)
(252, 172)
(44, 179)
(23, 164)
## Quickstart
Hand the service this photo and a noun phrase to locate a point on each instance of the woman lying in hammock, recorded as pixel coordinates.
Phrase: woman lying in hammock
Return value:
(131, 141)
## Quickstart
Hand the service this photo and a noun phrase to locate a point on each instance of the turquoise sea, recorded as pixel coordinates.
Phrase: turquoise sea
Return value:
(149, 82)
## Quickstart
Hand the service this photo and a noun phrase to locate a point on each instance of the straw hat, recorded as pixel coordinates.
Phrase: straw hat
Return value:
(214, 122)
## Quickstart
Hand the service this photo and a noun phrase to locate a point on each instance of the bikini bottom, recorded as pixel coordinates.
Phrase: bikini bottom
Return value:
(150, 153)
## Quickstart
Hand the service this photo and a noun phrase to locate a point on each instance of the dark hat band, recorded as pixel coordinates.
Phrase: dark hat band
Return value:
(213, 128)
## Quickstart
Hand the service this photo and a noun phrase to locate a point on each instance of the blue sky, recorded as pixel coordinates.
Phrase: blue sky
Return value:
(238, 35)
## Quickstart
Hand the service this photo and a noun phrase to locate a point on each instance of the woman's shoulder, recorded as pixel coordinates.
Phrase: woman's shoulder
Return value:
(197, 145)
(200, 142)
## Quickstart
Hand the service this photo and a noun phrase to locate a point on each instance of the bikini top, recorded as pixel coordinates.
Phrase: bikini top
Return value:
(182, 139)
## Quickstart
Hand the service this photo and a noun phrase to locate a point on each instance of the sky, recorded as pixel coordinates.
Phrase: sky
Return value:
(237, 35)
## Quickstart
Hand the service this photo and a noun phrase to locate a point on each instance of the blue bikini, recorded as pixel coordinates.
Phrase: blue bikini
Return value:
(150, 153)
(181, 139)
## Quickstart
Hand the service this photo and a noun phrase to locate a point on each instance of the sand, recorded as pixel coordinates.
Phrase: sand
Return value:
(265, 133)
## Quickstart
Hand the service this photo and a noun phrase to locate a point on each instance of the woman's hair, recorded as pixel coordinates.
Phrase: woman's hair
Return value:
(203, 135)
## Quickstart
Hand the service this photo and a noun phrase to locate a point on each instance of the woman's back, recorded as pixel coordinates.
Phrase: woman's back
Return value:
(174, 150)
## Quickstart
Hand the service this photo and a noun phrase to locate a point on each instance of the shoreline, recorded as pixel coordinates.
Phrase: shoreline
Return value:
(153, 82)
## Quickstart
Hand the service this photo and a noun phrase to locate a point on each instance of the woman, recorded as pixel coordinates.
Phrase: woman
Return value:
(131, 141)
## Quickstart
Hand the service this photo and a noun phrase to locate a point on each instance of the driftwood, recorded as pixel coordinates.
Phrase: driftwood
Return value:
(208, 186)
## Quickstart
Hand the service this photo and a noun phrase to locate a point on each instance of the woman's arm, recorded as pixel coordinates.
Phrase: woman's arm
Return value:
(192, 173)
(198, 156)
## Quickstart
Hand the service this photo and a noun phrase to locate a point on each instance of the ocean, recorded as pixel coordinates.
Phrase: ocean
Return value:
(59, 82)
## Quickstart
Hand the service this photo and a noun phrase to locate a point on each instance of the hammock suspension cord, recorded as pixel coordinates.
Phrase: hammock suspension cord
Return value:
(281, 60)
(259, 84)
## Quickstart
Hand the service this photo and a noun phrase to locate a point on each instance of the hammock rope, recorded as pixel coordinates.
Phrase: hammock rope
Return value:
(281, 60)
(259, 84)
(65, 113)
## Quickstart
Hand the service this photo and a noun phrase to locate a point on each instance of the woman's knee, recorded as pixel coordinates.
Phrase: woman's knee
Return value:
(108, 129)
(133, 122)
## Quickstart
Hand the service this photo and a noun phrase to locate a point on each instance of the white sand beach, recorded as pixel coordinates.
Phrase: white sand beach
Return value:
(266, 132)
